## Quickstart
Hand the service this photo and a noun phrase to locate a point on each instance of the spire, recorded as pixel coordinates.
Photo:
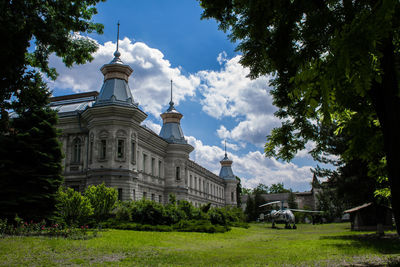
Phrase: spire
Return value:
(171, 129)
(115, 89)
(225, 150)
(117, 54)
(226, 167)
(171, 103)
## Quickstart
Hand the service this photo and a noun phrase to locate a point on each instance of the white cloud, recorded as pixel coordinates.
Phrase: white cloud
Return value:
(150, 81)
(229, 93)
(253, 168)
(155, 127)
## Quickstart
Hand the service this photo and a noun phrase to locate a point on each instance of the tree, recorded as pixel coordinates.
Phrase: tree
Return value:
(102, 199)
(30, 157)
(261, 189)
(238, 193)
(278, 188)
(336, 71)
(30, 154)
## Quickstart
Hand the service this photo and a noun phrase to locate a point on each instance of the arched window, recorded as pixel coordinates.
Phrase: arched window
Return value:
(76, 156)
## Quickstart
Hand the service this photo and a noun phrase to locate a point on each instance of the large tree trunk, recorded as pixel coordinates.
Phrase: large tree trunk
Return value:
(386, 100)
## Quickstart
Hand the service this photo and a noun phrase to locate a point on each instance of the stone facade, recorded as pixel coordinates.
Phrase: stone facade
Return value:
(104, 142)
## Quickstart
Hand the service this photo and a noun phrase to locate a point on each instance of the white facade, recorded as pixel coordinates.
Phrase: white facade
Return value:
(103, 141)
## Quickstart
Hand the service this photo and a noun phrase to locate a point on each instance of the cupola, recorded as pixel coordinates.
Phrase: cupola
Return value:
(226, 168)
(171, 130)
(115, 89)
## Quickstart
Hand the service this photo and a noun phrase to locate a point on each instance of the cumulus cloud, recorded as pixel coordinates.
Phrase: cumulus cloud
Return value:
(253, 168)
(155, 127)
(229, 93)
(150, 81)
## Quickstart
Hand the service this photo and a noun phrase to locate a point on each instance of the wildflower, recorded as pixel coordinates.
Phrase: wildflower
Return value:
(43, 227)
(82, 226)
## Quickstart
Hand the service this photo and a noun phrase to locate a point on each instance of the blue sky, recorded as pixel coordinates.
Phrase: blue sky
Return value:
(164, 40)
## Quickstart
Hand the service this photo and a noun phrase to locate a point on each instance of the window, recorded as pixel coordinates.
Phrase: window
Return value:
(133, 194)
(144, 162)
(195, 183)
(133, 152)
(191, 181)
(159, 198)
(232, 196)
(178, 173)
(153, 198)
(103, 149)
(120, 149)
(153, 166)
(91, 151)
(76, 157)
(144, 195)
(120, 194)
(159, 168)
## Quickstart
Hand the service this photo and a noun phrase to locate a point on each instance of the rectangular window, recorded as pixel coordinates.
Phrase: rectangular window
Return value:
(120, 149)
(159, 168)
(120, 194)
(178, 173)
(144, 195)
(195, 183)
(144, 162)
(133, 194)
(133, 152)
(91, 152)
(191, 181)
(153, 166)
(232, 196)
(103, 149)
(153, 198)
(159, 198)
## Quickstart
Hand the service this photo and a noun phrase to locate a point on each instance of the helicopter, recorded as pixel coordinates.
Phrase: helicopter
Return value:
(284, 215)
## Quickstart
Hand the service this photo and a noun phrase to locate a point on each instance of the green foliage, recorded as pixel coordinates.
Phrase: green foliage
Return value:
(30, 157)
(278, 188)
(102, 199)
(336, 76)
(73, 208)
(30, 154)
(181, 217)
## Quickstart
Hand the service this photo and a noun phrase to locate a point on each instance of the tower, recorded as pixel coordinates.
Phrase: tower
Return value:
(178, 151)
(226, 173)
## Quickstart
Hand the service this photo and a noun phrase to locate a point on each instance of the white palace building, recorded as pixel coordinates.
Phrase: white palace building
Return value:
(104, 142)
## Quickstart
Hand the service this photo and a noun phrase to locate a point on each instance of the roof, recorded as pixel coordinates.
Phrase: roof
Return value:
(358, 208)
(70, 105)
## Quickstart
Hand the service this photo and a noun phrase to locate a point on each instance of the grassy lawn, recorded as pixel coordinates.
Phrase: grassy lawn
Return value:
(320, 245)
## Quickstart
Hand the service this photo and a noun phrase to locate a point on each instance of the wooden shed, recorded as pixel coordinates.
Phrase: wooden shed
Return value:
(367, 216)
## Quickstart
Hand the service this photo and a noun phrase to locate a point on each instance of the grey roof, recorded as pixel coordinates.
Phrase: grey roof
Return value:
(172, 133)
(226, 170)
(115, 91)
(72, 106)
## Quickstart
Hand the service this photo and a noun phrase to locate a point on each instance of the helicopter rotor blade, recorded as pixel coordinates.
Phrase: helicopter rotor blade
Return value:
(309, 211)
(269, 203)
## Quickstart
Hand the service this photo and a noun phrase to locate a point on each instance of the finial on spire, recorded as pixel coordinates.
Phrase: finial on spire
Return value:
(171, 103)
(171, 90)
(225, 149)
(117, 54)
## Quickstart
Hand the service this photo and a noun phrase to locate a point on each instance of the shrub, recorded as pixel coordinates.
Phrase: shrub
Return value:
(123, 211)
(73, 209)
(147, 212)
(102, 199)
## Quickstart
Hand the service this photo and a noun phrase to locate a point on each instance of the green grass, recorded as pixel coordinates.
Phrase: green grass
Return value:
(321, 245)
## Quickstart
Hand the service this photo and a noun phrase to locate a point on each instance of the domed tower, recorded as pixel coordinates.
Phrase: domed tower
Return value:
(178, 151)
(226, 173)
(171, 130)
(113, 122)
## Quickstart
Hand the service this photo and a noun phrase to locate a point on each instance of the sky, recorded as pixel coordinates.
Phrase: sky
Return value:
(164, 40)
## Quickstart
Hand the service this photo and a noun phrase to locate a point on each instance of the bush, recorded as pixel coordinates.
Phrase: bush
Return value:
(73, 209)
(123, 212)
(102, 199)
(147, 212)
